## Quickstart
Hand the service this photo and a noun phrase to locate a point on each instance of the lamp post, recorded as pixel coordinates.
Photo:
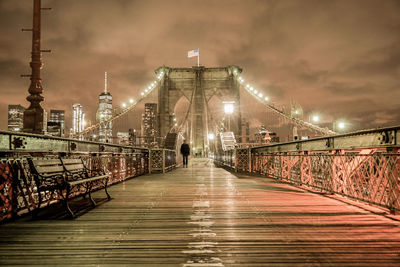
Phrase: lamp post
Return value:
(34, 115)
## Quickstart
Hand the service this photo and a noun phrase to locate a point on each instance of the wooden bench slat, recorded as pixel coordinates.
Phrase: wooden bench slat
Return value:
(50, 169)
(82, 181)
(71, 161)
(46, 162)
(74, 167)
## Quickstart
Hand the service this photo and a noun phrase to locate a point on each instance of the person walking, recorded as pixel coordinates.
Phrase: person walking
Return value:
(185, 151)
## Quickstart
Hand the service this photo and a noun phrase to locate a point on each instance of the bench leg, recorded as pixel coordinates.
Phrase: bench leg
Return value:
(36, 210)
(66, 205)
(105, 189)
(89, 187)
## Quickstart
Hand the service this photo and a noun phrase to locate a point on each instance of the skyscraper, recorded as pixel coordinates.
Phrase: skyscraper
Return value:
(15, 117)
(78, 119)
(56, 124)
(104, 113)
(150, 125)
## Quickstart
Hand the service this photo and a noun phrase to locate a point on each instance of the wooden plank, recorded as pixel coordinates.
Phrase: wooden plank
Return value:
(46, 162)
(54, 169)
(205, 216)
(74, 167)
(71, 161)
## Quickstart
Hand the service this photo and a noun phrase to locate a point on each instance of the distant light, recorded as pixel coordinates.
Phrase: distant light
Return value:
(315, 118)
(247, 85)
(131, 100)
(94, 136)
(341, 125)
(297, 111)
(176, 124)
(228, 108)
(174, 119)
(123, 105)
(266, 98)
(255, 91)
(251, 88)
(260, 94)
(211, 136)
(142, 93)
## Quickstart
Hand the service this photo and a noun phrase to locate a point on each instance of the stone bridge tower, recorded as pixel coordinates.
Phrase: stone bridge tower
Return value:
(198, 85)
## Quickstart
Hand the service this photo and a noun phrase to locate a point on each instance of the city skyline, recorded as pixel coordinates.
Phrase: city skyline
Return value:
(340, 59)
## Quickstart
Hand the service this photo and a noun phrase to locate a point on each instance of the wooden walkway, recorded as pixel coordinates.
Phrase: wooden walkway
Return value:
(205, 216)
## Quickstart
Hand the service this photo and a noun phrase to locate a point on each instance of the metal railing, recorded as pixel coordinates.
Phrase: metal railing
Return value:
(18, 193)
(162, 160)
(363, 165)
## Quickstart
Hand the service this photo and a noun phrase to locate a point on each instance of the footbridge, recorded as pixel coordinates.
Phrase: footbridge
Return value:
(329, 201)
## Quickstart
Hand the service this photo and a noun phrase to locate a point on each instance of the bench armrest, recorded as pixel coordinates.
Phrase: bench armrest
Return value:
(96, 170)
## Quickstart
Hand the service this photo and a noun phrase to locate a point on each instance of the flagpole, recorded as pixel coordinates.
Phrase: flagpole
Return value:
(198, 59)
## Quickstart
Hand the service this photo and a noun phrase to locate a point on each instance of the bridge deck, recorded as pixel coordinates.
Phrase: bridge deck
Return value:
(205, 216)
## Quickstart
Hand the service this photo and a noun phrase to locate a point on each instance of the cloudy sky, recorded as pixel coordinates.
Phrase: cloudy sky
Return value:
(340, 58)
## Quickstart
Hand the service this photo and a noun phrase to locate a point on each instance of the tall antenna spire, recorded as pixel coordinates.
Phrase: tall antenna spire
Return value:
(105, 82)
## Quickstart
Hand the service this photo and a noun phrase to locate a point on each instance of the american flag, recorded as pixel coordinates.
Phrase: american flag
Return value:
(193, 53)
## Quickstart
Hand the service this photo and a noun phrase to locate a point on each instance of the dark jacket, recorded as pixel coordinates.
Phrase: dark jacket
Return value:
(185, 149)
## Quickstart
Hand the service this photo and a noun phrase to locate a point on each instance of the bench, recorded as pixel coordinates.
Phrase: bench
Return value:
(63, 176)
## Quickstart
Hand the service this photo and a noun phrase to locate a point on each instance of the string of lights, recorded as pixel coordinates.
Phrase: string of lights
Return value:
(125, 107)
(262, 98)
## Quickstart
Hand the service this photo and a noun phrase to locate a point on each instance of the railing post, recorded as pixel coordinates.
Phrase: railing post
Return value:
(150, 161)
(249, 159)
(163, 160)
(235, 156)
(392, 176)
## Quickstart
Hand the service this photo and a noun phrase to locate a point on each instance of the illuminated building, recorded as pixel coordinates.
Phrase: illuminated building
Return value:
(149, 125)
(104, 113)
(78, 119)
(15, 117)
(56, 124)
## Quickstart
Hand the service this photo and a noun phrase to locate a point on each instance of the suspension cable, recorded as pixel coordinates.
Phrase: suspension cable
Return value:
(297, 121)
(144, 94)
(181, 125)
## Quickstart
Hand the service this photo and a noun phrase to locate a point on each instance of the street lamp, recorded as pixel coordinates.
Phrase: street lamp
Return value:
(211, 136)
(228, 109)
(340, 125)
(315, 118)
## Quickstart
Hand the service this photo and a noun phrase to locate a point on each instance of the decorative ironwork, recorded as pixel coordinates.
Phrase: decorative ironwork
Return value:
(372, 178)
(363, 165)
(242, 159)
(156, 159)
(162, 160)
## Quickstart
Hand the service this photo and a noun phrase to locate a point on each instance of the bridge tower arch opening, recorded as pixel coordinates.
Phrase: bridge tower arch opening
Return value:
(198, 85)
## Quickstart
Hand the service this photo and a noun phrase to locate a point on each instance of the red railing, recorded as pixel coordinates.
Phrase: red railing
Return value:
(363, 165)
